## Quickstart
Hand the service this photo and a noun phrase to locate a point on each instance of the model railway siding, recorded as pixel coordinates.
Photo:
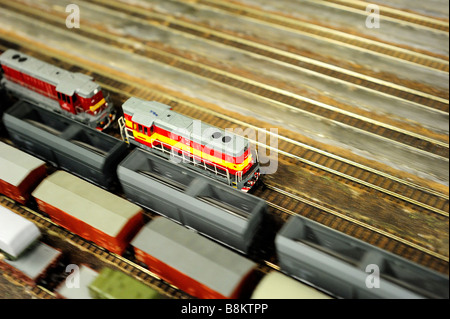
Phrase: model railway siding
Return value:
(283, 56)
(122, 263)
(259, 90)
(319, 31)
(417, 197)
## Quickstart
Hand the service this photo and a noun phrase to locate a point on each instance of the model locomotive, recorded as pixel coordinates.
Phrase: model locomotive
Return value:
(74, 95)
(217, 153)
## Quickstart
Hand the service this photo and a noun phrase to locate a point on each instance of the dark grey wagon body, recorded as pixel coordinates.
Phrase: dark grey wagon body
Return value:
(219, 211)
(65, 143)
(349, 268)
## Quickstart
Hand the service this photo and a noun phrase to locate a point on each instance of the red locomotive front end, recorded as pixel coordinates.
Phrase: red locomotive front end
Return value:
(74, 95)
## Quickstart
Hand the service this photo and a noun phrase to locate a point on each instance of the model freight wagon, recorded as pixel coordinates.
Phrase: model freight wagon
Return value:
(65, 143)
(276, 285)
(193, 263)
(19, 173)
(26, 257)
(343, 265)
(85, 275)
(206, 205)
(113, 284)
(106, 284)
(89, 211)
(17, 234)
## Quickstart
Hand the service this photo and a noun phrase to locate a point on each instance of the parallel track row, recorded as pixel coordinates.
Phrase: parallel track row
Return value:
(284, 98)
(295, 60)
(398, 14)
(343, 38)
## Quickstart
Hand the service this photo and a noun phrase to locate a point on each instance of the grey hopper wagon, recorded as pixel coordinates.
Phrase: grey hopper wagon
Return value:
(65, 143)
(348, 268)
(208, 206)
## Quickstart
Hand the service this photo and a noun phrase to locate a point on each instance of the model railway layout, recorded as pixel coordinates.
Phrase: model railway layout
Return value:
(146, 162)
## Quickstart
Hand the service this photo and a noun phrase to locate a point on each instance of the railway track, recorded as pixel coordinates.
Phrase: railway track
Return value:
(411, 18)
(126, 265)
(295, 60)
(283, 98)
(37, 291)
(257, 44)
(338, 37)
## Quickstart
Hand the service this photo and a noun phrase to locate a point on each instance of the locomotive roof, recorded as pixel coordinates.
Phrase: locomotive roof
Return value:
(16, 165)
(66, 82)
(97, 207)
(194, 255)
(148, 113)
(16, 232)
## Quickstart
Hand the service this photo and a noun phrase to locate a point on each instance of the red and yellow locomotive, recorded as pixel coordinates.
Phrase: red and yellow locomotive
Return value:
(220, 154)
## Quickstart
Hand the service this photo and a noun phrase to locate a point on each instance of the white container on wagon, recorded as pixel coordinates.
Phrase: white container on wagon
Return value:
(16, 233)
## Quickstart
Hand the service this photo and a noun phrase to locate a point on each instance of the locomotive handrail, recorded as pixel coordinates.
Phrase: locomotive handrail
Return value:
(123, 131)
(191, 158)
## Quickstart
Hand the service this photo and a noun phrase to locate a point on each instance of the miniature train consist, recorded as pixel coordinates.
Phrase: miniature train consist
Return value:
(207, 205)
(151, 125)
(74, 95)
(78, 197)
